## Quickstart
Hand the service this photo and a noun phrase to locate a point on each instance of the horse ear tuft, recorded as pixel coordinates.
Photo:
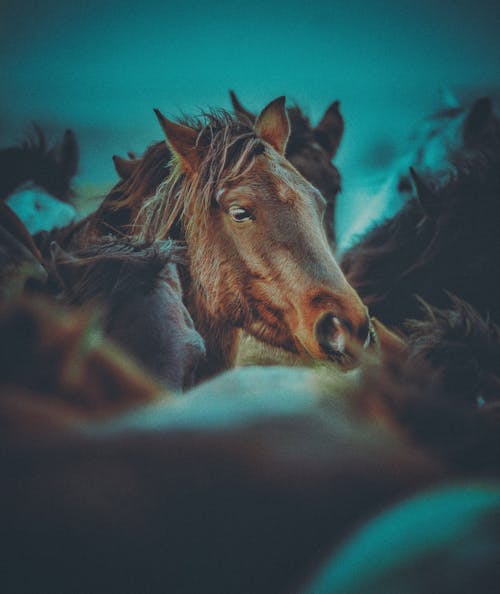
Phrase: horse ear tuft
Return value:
(478, 121)
(425, 195)
(273, 125)
(183, 141)
(125, 167)
(240, 111)
(330, 130)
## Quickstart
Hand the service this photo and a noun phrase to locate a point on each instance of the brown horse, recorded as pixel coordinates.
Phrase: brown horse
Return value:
(311, 151)
(259, 259)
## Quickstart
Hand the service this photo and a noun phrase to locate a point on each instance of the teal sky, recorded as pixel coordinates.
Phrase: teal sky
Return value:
(100, 67)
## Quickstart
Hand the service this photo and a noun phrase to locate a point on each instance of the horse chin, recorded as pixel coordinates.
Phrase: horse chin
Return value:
(273, 336)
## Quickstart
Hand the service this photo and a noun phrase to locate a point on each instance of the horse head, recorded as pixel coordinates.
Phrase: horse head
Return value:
(259, 256)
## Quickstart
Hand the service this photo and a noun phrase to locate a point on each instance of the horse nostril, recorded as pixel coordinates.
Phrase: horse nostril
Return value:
(329, 334)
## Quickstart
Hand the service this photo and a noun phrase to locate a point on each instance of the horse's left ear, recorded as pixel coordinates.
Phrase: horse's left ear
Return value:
(478, 122)
(329, 131)
(68, 155)
(273, 125)
(425, 195)
(183, 141)
(125, 167)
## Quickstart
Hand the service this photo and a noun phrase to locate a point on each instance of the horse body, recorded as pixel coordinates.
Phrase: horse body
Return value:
(450, 133)
(445, 239)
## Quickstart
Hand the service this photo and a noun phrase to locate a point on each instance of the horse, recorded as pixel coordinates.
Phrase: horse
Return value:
(452, 132)
(138, 287)
(311, 151)
(240, 494)
(36, 180)
(33, 162)
(463, 350)
(444, 239)
(56, 367)
(259, 260)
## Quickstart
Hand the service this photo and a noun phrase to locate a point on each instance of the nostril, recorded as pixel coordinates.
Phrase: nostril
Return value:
(329, 334)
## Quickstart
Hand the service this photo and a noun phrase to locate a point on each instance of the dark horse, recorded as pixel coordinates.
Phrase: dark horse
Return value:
(444, 239)
(259, 258)
(138, 286)
(311, 151)
(33, 162)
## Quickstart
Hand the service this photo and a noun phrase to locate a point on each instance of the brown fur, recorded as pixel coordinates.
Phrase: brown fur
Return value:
(230, 284)
(60, 356)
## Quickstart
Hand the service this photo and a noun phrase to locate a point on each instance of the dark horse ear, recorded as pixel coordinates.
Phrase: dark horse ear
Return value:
(183, 141)
(478, 121)
(68, 155)
(425, 195)
(273, 125)
(239, 110)
(61, 266)
(125, 167)
(330, 130)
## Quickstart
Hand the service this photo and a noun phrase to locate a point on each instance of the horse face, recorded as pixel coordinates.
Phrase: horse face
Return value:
(259, 258)
(157, 328)
(283, 274)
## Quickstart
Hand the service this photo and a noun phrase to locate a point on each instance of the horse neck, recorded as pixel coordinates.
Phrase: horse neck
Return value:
(17, 168)
(221, 339)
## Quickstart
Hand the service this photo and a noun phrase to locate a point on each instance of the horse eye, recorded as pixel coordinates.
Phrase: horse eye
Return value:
(240, 214)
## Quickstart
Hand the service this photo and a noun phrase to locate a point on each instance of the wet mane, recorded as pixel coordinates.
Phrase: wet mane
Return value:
(230, 147)
(114, 268)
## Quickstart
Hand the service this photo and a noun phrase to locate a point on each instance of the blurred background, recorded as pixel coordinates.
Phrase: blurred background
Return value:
(101, 67)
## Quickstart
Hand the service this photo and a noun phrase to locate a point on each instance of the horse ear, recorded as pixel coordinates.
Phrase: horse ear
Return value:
(478, 121)
(330, 130)
(183, 141)
(68, 155)
(425, 195)
(125, 167)
(273, 125)
(59, 259)
(239, 110)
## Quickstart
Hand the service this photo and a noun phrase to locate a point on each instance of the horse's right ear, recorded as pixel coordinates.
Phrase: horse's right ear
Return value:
(239, 110)
(273, 125)
(183, 141)
(329, 131)
(125, 167)
(425, 195)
